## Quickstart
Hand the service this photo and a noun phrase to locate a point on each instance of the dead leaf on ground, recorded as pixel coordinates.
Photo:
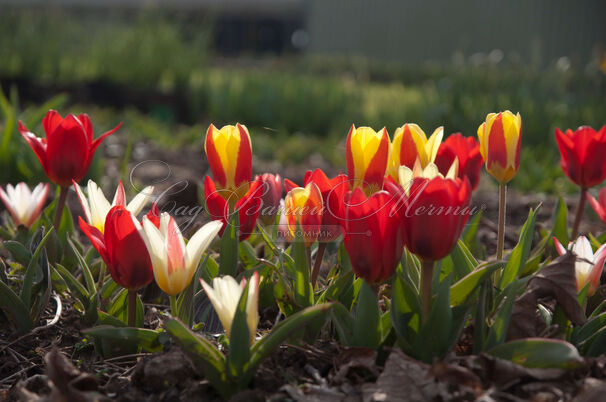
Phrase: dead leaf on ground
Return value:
(557, 281)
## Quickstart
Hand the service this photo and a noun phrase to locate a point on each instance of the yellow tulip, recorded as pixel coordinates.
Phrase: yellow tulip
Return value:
(410, 143)
(367, 158)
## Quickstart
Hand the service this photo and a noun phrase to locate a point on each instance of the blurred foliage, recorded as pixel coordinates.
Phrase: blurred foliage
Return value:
(295, 106)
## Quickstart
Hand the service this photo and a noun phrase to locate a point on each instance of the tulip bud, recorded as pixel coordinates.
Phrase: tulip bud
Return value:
(410, 143)
(272, 194)
(24, 205)
(582, 153)
(305, 207)
(467, 151)
(367, 158)
(225, 294)
(500, 139)
(229, 153)
(588, 266)
(68, 150)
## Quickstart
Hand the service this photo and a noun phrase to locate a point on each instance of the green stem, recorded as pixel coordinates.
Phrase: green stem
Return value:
(132, 308)
(426, 281)
(317, 264)
(101, 276)
(308, 253)
(173, 306)
(60, 206)
(579, 215)
(502, 208)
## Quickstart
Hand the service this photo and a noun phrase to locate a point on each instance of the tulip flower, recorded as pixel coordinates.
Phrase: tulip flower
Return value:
(225, 294)
(372, 234)
(588, 266)
(123, 250)
(582, 160)
(500, 139)
(246, 207)
(175, 263)
(467, 151)
(24, 205)
(433, 201)
(304, 206)
(410, 143)
(272, 194)
(96, 206)
(599, 205)
(67, 151)
(229, 153)
(367, 158)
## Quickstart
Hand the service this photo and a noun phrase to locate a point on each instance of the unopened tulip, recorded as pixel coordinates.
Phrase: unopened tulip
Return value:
(367, 154)
(467, 151)
(582, 153)
(225, 294)
(410, 143)
(433, 201)
(96, 206)
(304, 206)
(175, 263)
(599, 205)
(24, 205)
(372, 235)
(229, 154)
(272, 194)
(500, 139)
(247, 207)
(588, 266)
(68, 149)
(122, 248)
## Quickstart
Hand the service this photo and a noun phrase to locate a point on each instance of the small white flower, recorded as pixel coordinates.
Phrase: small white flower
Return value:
(96, 206)
(225, 294)
(24, 205)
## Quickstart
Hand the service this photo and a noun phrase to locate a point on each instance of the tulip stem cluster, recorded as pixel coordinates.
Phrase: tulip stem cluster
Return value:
(317, 264)
(60, 205)
(502, 209)
(426, 283)
(579, 213)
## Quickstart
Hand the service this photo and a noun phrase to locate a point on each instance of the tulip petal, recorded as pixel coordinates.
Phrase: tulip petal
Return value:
(38, 145)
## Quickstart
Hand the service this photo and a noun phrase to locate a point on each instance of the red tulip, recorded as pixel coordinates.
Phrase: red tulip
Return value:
(434, 213)
(247, 207)
(68, 149)
(333, 190)
(304, 207)
(467, 149)
(122, 248)
(372, 234)
(272, 194)
(582, 153)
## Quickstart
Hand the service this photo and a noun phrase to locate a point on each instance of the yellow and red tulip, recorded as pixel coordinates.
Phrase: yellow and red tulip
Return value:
(225, 293)
(24, 205)
(68, 149)
(588, 266)
(96, 206)
(305, 207)
(410, 143)
(174, 262)
(122, 248)
(500, 140)
(367, 158)
(229, 153)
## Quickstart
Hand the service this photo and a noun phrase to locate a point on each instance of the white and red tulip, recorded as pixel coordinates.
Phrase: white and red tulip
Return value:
(24, 205)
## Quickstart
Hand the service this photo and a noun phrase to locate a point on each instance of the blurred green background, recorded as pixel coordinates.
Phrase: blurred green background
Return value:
(298, 73)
